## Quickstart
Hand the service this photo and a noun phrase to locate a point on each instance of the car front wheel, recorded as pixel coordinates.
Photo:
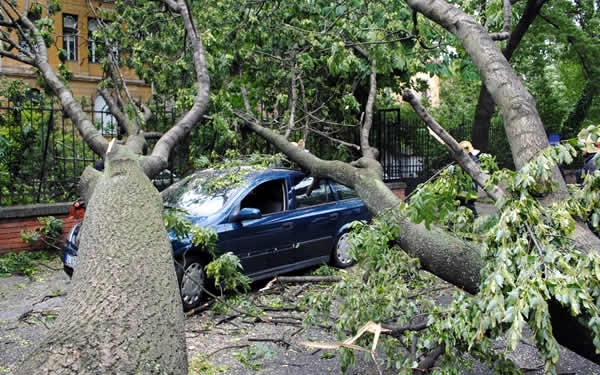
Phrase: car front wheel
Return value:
(192, 284)
(341, 252)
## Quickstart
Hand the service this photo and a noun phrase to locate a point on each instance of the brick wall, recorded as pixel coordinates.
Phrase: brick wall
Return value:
(14, 219)
(398, 188)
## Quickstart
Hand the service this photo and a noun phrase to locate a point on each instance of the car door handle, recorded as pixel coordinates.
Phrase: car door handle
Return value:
(287, 225)
(333, 217)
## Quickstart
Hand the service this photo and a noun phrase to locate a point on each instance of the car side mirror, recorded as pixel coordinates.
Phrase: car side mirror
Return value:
(245, 214)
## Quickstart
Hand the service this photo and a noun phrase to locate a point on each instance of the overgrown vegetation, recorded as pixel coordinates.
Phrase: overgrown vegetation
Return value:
(528, 260)
(48, 232)
(26, 263)
(199, 365)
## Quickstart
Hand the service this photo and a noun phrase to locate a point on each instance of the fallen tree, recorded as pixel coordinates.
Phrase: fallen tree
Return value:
(124, 314)
(440, 253)
(446, 256)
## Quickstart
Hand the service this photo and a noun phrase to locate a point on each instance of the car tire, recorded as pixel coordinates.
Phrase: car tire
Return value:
(192, 284)
(340, 256)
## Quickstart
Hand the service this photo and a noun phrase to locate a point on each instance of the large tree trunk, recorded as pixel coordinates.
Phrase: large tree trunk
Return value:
(485, 105)
(124, 315)
(574, 120)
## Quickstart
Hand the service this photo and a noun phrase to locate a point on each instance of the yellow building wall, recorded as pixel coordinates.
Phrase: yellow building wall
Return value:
(86, 74)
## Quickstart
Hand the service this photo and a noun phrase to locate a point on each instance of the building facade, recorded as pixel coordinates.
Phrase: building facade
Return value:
(74, 25)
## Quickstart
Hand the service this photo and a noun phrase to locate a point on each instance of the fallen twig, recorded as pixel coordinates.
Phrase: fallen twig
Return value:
(49, 296)
(200, 308)
(227, 347)
(374, 328)
(280, 341)
(301, 279)
(227, 319)
(301, 289)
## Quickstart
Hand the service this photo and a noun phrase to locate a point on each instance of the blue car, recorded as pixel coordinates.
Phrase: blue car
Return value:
(275, 220)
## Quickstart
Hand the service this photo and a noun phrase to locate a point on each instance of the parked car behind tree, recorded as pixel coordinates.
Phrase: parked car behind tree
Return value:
(275, 220)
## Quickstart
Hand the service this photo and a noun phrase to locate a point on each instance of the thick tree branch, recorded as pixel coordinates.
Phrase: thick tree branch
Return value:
(367, 150)
(514, 102)
(72, 108)
(468, 165)
(485, 104)
(294, 99)
(160, 154)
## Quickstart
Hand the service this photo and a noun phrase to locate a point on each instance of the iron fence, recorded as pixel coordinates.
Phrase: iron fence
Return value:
(42, 153)
(408, 153)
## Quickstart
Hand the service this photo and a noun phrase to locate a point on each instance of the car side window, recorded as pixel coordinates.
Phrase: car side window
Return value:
(344, 192)
(310, 193)
(268, 197)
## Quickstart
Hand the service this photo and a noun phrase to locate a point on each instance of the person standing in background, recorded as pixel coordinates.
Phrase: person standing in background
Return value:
(467, 193)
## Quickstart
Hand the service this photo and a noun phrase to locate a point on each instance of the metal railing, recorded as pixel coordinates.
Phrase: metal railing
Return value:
(408, 153)
(42, 154)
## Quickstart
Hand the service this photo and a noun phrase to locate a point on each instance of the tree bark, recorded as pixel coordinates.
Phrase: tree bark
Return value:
(124, 315)
(572, 124)
(485, 105)
(160, 154)
(447, 257)
(524, 128)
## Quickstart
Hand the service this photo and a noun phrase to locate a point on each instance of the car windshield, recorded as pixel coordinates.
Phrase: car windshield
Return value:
(203, 193)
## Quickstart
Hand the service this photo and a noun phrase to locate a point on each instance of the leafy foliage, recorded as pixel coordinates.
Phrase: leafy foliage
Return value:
(49, 232)
(23, 263)
(529, 261)
(177, 221)
(225, 270)
(253, 357)
(438, 201)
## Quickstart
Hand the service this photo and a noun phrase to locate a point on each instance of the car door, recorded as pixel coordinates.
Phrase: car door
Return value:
(316, 216)
(261, 243)
(350, 207)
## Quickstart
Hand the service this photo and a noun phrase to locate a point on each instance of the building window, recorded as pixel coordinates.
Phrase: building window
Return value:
(94, 52)
(103, 119)
(70, 36)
